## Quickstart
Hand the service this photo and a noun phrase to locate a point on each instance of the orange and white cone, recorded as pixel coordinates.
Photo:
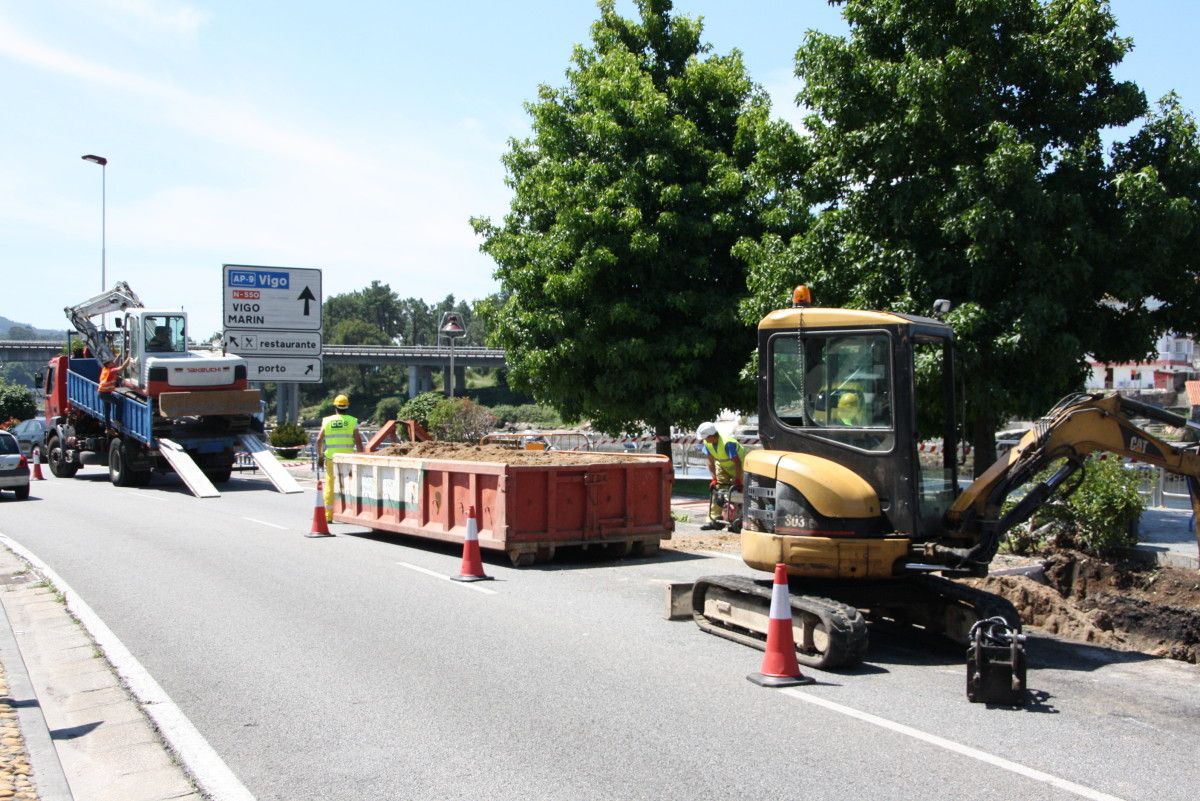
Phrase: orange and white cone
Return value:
(37, 469)
(319, 527)
(472, 563)
(779, 666)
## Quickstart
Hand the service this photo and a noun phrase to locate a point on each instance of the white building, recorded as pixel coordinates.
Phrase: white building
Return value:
(1175, 362)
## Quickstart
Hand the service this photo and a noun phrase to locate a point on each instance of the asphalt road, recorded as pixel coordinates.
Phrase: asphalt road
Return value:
(337, 669)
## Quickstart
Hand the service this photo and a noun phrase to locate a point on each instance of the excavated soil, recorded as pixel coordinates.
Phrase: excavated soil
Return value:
(1122, 606)
(495, 453)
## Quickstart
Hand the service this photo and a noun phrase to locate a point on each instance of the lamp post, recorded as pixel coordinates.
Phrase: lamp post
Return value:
(103, 162)
(452, 328)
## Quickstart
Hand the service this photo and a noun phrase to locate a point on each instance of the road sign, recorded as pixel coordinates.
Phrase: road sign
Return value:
(250, 342)
(273, 298)
(300, 369)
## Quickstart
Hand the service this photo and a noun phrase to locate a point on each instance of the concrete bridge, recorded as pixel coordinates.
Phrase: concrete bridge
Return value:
(421, 361)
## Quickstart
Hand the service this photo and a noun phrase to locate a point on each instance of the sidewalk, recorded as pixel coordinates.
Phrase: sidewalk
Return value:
(81, 736)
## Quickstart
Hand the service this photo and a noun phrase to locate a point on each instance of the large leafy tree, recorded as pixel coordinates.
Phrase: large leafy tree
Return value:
(618, 294)
(956, 153)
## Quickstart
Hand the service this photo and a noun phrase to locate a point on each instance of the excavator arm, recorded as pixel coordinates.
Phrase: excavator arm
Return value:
(119, 298)
(1076, 427)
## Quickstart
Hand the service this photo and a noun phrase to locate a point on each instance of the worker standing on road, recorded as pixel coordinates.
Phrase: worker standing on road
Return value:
(725, 457)
(339, 434)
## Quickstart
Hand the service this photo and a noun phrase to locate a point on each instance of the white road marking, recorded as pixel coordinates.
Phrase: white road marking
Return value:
(732, 556)
(205, 765)
(950, 745)
(265, 523)
(467, 584)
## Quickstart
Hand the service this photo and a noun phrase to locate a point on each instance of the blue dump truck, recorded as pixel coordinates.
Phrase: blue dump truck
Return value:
(167, 409)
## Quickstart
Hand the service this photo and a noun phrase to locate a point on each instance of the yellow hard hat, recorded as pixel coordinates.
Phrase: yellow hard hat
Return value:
(848, 399)
(341, 401)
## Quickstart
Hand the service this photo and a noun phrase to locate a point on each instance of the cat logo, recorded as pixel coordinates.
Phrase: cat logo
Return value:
(1138, 444)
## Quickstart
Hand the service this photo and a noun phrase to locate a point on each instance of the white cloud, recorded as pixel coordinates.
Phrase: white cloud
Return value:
(157, 17)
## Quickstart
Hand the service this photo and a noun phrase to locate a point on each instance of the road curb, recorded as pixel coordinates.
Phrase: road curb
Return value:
(201, 761)
(48, 776)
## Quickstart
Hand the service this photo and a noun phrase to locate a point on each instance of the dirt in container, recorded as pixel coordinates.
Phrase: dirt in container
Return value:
(467, 452)
(1116, 605)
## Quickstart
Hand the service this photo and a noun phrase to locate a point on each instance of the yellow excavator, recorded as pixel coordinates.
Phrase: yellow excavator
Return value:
(843, 495)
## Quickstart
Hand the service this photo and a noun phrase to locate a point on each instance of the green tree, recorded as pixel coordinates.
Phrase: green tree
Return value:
(22, 332)
(954, 151)
(618, 289)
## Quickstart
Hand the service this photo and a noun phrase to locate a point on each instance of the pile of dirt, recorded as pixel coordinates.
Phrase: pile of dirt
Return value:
(1123, 606)
(467, 452)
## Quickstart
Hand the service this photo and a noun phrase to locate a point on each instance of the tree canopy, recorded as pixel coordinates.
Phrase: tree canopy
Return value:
(954, 150)
(618, 289)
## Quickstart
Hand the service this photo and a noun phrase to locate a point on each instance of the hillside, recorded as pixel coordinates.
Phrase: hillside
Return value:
(38, 333)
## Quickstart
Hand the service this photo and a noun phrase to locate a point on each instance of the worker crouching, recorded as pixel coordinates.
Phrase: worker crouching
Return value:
(725, 458)
(339, 434)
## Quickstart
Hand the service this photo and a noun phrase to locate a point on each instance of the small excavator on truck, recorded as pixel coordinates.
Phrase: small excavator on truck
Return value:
(841, 495)
(172, 409)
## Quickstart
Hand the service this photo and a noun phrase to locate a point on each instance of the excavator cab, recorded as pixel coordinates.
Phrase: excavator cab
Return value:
(861, 403)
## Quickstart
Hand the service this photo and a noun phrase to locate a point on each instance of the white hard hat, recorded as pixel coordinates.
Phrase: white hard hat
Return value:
(706, 430)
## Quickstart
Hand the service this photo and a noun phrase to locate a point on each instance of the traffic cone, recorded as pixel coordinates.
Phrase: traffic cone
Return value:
(472, 564)
(37, 470)
(319, 527)
(779, 666)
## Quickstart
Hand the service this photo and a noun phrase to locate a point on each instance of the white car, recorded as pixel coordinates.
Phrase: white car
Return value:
(14, 468)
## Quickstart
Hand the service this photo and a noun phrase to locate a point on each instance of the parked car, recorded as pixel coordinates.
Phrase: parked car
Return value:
(14, 468)
(31, 434)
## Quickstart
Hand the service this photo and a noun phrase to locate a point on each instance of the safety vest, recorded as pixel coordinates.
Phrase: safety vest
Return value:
(339, 433)
(719, 452)
(108, 379)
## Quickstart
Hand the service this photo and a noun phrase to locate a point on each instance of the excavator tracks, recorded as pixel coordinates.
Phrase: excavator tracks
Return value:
(828, 634)
(832, 633)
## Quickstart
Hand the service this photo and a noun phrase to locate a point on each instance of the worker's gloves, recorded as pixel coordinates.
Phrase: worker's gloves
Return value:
(712, 485)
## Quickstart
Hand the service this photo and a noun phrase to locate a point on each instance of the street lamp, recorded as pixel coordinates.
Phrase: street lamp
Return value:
(452, 328)
(103, 162)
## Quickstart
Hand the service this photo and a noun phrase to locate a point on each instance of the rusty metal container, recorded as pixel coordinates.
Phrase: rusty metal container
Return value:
(525, 510)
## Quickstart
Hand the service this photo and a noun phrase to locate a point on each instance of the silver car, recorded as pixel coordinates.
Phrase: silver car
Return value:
(14, 469)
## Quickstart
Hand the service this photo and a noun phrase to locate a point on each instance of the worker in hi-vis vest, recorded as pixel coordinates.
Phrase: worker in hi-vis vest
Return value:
(725, 457)
(339, 434)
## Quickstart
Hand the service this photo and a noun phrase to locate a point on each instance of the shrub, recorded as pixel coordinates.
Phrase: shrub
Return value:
(420, 407)
(288, 435)
(16, 401)
(388, 409)
(460, 420)
(1100, 517)
(528, 413)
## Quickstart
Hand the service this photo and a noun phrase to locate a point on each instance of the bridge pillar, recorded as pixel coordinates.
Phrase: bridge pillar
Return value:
(420, 379)
(460, 380)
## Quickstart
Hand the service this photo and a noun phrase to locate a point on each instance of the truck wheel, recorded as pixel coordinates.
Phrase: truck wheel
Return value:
(59, 466)
(21, 492)
(220, 476)
(118, 469)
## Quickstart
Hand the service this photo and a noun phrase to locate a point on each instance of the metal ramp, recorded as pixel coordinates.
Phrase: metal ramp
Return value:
(277, 473)
(187, 470)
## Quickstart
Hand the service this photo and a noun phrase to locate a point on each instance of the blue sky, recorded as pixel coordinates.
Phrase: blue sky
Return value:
(357, 138)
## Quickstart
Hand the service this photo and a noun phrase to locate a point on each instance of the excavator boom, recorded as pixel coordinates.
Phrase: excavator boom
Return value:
(1077, 426)
(119, 298)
